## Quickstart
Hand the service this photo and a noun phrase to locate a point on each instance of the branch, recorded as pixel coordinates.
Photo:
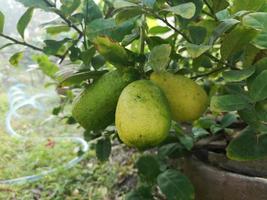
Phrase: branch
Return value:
(216, 70)
(24, 44)
(211, 10)
(63, 17)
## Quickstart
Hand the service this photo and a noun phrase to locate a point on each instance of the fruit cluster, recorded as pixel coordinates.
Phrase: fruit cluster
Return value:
(142, 109)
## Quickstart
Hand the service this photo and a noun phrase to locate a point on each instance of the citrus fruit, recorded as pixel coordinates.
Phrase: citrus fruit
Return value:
(188, 101)
(143, 116)
(94, 108)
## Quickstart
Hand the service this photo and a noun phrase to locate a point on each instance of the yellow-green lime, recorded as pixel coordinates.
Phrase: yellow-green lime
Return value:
(143, 115)
(188, 100)
(94, 108)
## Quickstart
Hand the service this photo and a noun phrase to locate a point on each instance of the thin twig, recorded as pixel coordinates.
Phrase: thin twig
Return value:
(216, 70)
(63, 17)
(211, 10)
(23, 43)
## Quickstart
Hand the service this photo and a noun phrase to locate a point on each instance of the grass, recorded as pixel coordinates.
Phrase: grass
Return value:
(89, 179)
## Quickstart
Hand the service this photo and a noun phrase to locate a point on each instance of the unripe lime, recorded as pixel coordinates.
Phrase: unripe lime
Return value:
(188, 101)
(95, 107)
(143, 116)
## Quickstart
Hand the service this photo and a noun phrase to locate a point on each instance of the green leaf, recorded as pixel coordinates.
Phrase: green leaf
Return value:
(2, 22)
(197, 34)
(218, 5)
(258, 89)
(91, 11)
(123, 4)
(16, 58)
(108, 27)
(228, 119)
(54, 47)
(142, 193)
(148, 168)
(149, 3)
(87, 55)
(112, 51)
(46, 66)
(175, 185)
(54, 30)
(159, 57)
(257, 21)
(171, 150)
(186, 140)
(247, 5)
(236, 41)
(127, 13)
(103, 149)
(228, 103)
(221, 29)
(24, 21)
(36, 4)
(69, 6)
(195, 50)
(238, 75)
(68, 79)
(185, 10)
(261, 109)
(249, 115)
(199, 132)
(159, 30)
(248, 146)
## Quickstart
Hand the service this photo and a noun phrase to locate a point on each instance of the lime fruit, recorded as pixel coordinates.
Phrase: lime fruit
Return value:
(143, 116)
(94, 108)
(188, 101)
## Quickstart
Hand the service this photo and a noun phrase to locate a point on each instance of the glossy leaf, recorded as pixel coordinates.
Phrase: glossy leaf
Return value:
(103, 149)
(175, 185)
(236, 41)
(159, 57)
(54, 47)
(258, 89)
(195, 50)
(127, 13)
(197, 34)
(238, 75)
(24, 21)
(108, 27)
(218, 5)
(91, 11)
(186, 10)
(227, 103)
(247, 5)
(148, 168)
(2, 22)
(16, 58)
(221, 29)
(248, 145)
(258, 21)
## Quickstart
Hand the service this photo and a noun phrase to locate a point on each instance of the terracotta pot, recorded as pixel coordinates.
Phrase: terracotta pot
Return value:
(216, 183)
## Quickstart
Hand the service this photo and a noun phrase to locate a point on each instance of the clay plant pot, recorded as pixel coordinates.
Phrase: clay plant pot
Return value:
(218, 178)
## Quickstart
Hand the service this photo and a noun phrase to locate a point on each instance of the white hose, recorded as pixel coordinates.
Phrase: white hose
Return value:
(17, 101)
